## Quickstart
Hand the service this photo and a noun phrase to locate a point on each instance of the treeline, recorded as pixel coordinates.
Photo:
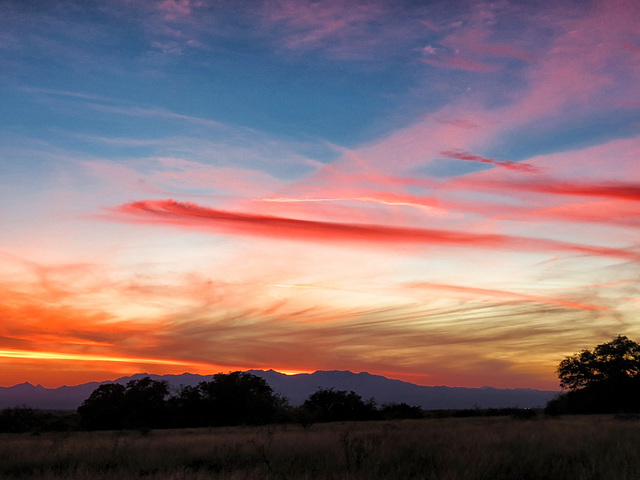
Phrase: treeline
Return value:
(237, 398)
(22, 419)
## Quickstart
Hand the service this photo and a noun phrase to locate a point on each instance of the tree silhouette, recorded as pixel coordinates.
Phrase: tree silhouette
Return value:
(329, 405)
(139, 404)
(188, 407)
(144, 403)
(19, 419)
(603, 380)
(397, 411)
(228, 399)
(239, 398)
(104, 409)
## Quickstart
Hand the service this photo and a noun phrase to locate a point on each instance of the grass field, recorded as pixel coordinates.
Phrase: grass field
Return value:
(498, 448)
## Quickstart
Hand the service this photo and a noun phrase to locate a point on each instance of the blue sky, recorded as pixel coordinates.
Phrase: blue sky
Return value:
(443, 192)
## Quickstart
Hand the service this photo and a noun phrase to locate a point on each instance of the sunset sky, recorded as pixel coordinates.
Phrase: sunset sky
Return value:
(443, 192)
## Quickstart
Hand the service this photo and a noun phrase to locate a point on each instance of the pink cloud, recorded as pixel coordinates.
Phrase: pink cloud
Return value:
(169, 212)
(607, 189)
(341, 30)
(431, 25)
(604, 212)
(575, 73)
(467, 46)
(585, 61)
(174, 9)
(516, 166)
(309, 23)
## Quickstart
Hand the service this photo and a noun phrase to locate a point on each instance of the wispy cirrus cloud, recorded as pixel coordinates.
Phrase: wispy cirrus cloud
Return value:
(137, 111)
(247, 335)
(467, 45)
(500, 296)
(308, 24)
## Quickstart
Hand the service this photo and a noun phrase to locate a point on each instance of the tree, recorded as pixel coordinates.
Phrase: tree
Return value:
(104, 409)
(329, 405)
(397, 411)
(19, 419)
(139, 404)
(188, 407)
(144, 403)
(239, 398)
(605, 379)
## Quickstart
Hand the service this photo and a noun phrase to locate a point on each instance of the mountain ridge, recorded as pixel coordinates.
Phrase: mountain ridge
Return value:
(298, 387)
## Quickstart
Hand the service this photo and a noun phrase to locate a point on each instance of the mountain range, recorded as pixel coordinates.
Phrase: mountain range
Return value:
(297, 389)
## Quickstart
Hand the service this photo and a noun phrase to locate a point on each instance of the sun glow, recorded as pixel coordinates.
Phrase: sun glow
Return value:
(26, 354)
(294, 372)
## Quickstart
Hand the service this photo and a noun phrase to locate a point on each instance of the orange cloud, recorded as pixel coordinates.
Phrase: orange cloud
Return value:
(56, 343)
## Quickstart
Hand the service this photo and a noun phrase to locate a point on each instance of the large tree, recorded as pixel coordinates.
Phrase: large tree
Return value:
(238, 398)
(139, 404)
(329, 405)
(605, 379)
(104, 409)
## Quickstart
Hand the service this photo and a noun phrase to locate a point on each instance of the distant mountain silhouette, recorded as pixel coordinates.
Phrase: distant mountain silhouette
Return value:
(297, 389)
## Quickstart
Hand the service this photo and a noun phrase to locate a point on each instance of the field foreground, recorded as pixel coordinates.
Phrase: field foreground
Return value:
(571, 448)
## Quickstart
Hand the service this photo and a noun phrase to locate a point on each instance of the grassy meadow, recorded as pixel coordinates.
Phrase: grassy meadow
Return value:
(495, 448)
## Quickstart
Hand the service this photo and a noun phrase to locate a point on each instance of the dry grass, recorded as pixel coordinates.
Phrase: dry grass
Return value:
(571, 448)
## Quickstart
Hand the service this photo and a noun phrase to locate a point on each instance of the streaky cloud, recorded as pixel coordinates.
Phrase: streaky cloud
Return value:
(508, 296)
(516, 166)
(193, 215)
(629, 191)
(426, 205)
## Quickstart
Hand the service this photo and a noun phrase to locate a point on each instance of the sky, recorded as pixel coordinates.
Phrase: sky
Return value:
(442, 192)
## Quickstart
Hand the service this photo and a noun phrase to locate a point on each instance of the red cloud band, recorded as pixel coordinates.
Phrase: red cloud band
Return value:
(189, 214)
(619, 190)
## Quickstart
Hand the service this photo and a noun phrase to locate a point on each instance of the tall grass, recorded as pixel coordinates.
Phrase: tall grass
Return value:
(571, 448)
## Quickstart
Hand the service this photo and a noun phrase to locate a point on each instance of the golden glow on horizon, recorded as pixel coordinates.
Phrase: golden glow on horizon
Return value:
(25, 354)
(31, 355)
(293, 372)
